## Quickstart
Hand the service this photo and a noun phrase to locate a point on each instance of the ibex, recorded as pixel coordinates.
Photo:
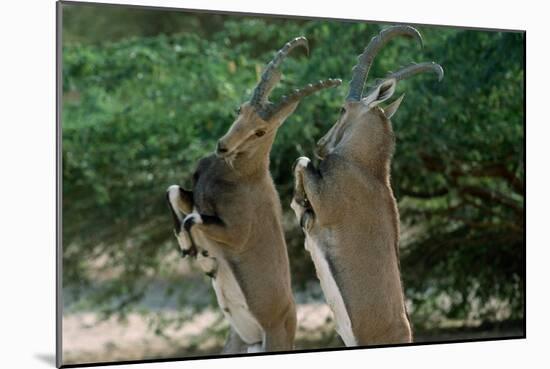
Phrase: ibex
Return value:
(348, 212)
(232, 220)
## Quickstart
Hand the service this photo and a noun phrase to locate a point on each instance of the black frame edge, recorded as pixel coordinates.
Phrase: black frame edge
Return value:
(58, 184)
(59, 270)
(288, 16)
(308, 351)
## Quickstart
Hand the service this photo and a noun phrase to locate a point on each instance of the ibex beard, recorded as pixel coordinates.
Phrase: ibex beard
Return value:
(348, 212)
(232, 221)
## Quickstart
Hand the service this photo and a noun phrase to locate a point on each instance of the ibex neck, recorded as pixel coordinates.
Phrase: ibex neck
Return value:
(379, 167)
(376, 162)
(372, 154)
(254, 163)
(251, 166)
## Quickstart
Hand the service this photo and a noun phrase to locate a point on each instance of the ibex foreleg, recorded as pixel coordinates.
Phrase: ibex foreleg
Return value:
(180, 202)
(306, 191)
(232, 231)
(280, 337)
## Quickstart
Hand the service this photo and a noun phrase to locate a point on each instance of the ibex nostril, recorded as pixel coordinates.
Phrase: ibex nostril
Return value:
(221, 149)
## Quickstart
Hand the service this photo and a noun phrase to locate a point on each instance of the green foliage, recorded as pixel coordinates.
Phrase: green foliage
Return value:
(139, 112)
(460, 169)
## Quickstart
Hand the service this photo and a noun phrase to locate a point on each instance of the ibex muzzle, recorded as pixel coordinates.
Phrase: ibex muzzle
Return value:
(348, 212)
(232, 220)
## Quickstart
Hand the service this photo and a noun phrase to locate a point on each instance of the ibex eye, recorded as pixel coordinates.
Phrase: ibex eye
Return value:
(260, 133)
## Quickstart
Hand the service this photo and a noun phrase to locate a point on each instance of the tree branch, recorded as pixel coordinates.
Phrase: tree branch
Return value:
(499, 170)
(491, 195)
(424, 194)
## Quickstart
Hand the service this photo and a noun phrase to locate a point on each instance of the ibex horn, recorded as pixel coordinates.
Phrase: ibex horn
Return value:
(298, 94)
(264, 86)
(361, 70)
(411, 70)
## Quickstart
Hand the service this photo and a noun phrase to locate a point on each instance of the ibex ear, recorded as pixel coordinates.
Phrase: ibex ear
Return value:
(390, 110)
(381, 93)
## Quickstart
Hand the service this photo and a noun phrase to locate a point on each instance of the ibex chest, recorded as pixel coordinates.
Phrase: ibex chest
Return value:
(324, 267)
(232, 301)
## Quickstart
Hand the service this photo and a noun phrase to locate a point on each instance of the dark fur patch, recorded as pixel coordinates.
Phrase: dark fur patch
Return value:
(193, 249)
(187, 224)
(314, 171)
(212, 219)
(192, 252)
(307, 214)
(211, 274)
(186, 195)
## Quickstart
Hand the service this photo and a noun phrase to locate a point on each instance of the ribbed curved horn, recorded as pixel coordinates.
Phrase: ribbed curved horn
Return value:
(409, 71)
(412, 69)
(299, 94)
(259, 97)
(361, 70)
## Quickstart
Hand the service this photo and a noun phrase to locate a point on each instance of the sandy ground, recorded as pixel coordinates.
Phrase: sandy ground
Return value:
(84, 340)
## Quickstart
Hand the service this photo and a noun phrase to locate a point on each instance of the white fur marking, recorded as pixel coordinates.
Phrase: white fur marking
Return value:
(302, 163)
(183, 240)
(195, 216)
(298, 209)
(207, 264)
(331, 292)
(230, 296)
(173, 197)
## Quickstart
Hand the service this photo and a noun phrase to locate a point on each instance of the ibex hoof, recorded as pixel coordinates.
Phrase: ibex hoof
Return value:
(301, 163)
(192, 252)
(208, 264)
(186, 246)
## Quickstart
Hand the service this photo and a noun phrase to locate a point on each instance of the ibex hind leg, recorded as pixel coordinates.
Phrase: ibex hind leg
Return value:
(394, 333)
(401, 333)
(278, 339)
(281, 337)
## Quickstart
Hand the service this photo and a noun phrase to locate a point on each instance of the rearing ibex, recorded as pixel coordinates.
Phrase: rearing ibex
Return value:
(231, 220)
(348, 212)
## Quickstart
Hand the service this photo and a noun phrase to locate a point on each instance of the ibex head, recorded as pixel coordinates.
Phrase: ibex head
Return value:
(363, 111)
(258, 119)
